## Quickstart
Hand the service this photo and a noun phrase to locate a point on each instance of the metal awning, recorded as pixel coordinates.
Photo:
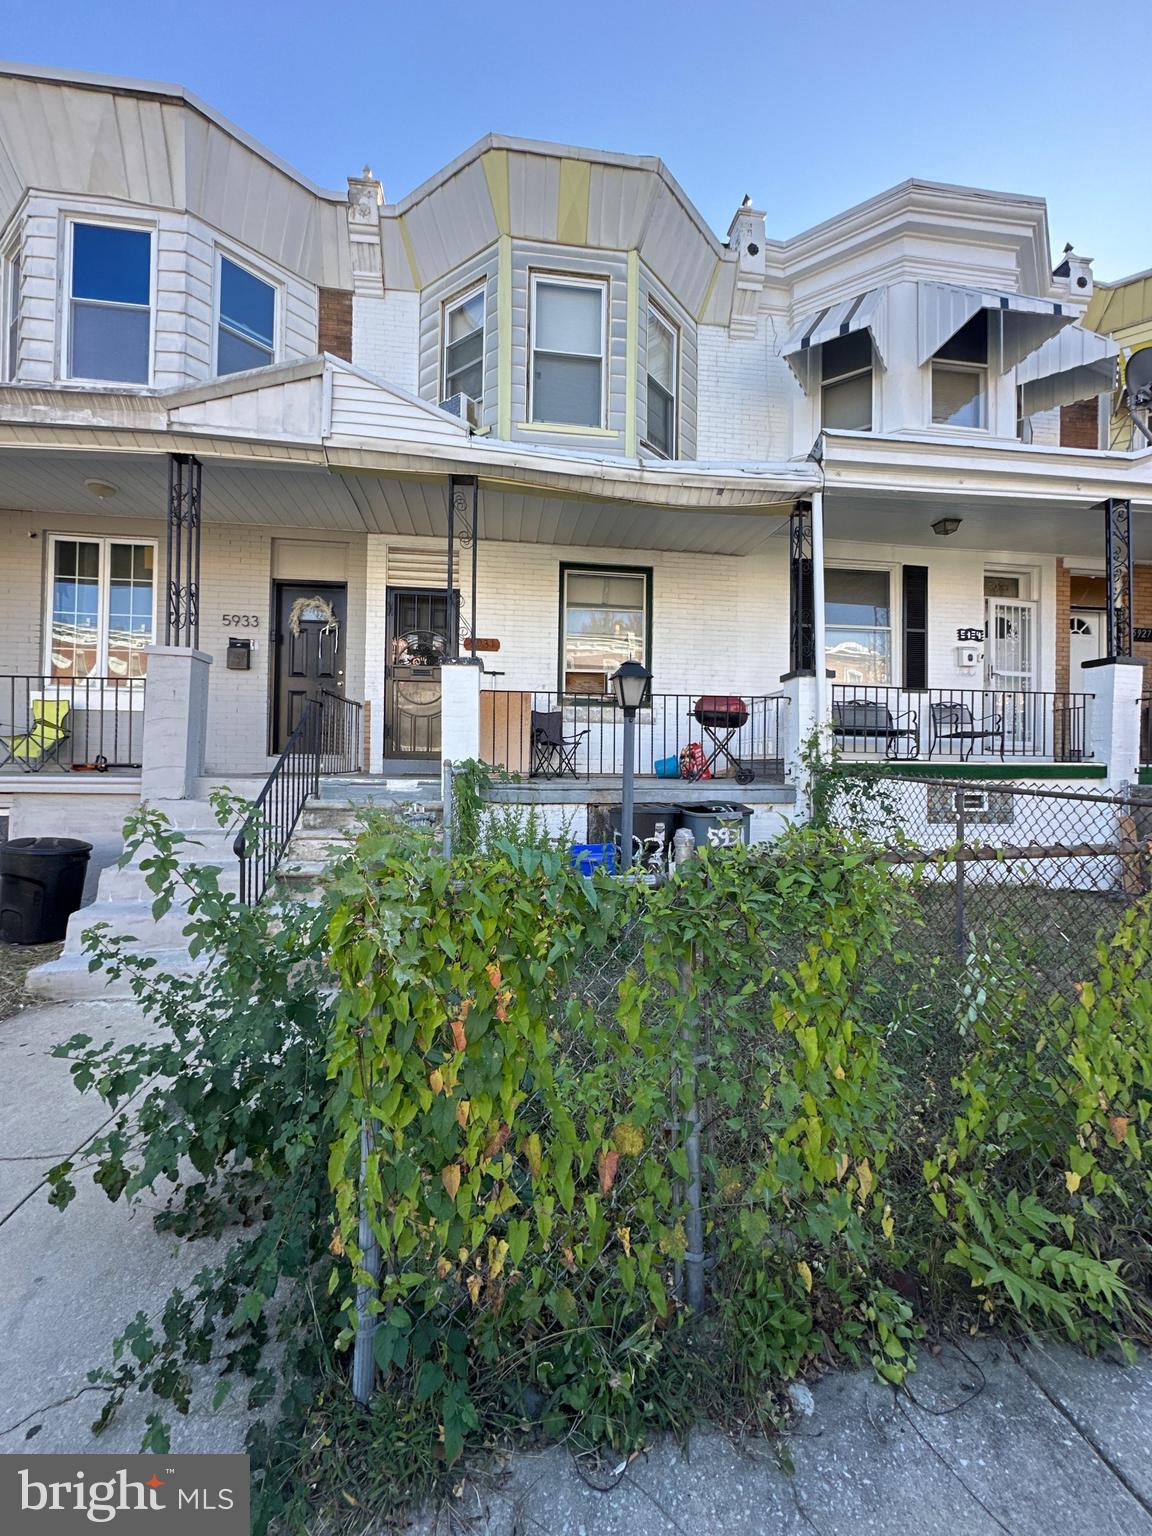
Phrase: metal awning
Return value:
(1025, 323)
(863, 313)
(1075, 365)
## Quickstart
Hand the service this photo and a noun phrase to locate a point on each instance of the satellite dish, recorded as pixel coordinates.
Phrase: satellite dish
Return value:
(1138, 387)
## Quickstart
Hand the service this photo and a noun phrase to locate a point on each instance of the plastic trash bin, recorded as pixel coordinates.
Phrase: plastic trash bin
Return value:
(589, 857)
(719, 826)
(41, 885)
(645, 820)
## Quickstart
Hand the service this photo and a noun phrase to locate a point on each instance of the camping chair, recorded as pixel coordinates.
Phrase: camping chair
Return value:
(50, 730)
(553, 753)
(954, 721)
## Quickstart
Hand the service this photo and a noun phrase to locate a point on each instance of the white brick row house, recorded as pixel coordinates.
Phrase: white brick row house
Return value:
(262, 443)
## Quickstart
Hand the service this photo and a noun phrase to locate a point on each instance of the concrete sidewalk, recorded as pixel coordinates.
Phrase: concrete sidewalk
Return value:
(1037, 1441)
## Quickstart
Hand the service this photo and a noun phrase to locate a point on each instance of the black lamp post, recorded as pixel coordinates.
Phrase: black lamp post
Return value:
(632, 686)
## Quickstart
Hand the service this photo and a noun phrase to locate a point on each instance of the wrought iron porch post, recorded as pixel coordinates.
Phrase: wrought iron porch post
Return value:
(463, 523)
(1120, 572)
(182, 552)
(802, 612)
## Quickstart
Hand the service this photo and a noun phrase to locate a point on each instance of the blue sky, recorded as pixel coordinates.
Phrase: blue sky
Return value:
(809, 107)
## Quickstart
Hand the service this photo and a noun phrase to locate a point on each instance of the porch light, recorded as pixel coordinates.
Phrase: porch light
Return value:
(632, 687)
(101, 489)
(946, 525)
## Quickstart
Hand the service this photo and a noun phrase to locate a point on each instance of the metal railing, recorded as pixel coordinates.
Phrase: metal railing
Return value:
(554, 736)
(1146, 728)
(960, 723)
(70, 724)
(325, 740)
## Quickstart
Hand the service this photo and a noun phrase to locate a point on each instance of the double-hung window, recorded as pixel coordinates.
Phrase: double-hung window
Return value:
(101, 607)
(567, 365)
(11, 312)
(464, 346)
(662, 363)
(110, 304)
(246, 328)
(604, 619)
(858, 622)
(960, 376)
(846, 382)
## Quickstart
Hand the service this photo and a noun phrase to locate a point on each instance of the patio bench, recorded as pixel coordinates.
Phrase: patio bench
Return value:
(869, 721)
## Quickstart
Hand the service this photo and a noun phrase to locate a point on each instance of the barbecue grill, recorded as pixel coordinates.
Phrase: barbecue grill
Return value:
(720, 716)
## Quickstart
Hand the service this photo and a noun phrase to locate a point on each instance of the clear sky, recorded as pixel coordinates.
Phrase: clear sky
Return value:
(808, 107)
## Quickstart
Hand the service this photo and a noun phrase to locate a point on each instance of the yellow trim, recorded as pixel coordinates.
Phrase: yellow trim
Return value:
(504, 337)
(631, 353)
(495, 163)
(406, 238)
(572, 202)
(707, 299)
(563, 426)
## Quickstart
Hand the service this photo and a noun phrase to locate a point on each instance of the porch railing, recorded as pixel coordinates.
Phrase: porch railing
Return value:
(326, 740)
(960, 723)
(546, 735)
(70, 724)
(1146, 728)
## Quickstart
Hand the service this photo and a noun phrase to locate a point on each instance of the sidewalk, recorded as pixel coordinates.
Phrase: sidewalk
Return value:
(1046, 1444)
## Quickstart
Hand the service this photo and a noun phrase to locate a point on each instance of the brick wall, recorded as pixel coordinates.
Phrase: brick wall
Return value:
(1080, 425)
(386, 337)
(1063, 634)
(336, 322)
(745, 394)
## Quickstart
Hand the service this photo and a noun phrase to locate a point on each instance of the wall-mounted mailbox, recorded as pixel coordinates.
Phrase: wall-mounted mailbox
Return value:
(239, 655)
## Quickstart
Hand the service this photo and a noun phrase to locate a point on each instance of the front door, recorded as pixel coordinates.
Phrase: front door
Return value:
(1086, 641)
(310, 624)
(419, 637)
(1008, 650)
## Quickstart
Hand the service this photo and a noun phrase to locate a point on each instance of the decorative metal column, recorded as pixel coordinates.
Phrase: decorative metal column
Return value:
(463, 524)
(1121, 578)
(802, 608)
(182, 574)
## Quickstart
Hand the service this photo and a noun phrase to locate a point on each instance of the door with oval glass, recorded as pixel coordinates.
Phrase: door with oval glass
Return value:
(420, 635)
(310, 624)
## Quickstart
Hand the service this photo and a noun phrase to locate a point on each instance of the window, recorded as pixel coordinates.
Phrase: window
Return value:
(960, 376)
(846, 382)
(1003, 584)
(605, 618)
(858, 620)
(662, 370)
(245, 335)
(567, 352)
(11, 311)
(110, 315)
(101, 607)
(464, 347)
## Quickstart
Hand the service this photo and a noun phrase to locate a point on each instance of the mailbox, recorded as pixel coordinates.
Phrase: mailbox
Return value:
(239, 657)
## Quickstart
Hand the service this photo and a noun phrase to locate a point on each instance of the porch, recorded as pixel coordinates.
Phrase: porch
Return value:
(960, 724)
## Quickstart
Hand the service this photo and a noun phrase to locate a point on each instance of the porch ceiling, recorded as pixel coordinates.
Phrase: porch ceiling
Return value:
(1069, 528)
(313, 496)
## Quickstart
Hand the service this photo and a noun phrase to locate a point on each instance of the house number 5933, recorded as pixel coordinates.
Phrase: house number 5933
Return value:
(241, 620)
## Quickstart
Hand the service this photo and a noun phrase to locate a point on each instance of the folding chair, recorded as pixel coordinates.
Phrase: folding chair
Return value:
(50, 730)
(553, 753)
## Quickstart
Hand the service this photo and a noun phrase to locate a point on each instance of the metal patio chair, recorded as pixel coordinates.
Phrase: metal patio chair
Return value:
(32, 749)
(553, 753)
(954, 721)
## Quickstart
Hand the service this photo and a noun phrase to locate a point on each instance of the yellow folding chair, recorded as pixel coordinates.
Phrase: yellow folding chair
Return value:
(50, 730)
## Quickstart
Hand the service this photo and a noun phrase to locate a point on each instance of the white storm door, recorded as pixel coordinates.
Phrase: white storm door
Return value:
(1010, 651)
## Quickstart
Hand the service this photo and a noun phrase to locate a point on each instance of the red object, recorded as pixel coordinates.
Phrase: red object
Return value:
(693, 762)
(722, 711)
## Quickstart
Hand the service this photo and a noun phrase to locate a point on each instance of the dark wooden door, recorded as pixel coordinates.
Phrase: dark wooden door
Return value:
(420, 635)
(310, 625)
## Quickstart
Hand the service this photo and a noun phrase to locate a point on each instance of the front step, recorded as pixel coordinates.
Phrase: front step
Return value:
(328, 828)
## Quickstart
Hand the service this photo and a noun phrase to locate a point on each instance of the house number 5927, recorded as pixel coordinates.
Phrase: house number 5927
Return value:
(241, 620)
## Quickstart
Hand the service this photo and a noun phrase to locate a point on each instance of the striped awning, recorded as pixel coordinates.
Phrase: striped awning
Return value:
(1075, 365)
(1025, 323)
(863, 313)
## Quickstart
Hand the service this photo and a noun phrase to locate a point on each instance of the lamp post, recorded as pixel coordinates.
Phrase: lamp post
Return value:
(632, 686)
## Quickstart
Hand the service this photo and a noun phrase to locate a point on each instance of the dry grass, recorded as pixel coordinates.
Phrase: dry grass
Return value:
(16, 960)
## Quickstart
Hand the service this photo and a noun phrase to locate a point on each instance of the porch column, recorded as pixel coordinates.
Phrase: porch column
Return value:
(805, 682)
(175, 722)
(464, 524)
(182, 552)
(460, 712)
(1116, 684)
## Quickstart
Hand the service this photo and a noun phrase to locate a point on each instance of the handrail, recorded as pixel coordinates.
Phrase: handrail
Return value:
(325, 739)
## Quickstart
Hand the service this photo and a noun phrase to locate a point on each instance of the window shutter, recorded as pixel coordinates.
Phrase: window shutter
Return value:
(915, 585)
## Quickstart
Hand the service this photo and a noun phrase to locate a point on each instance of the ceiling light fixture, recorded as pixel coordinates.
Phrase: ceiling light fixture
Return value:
(101, 489)
(943, 526)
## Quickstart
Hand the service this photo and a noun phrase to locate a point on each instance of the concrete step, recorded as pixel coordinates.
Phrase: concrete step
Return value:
(130, 919)
(367, 789)
(69, 980)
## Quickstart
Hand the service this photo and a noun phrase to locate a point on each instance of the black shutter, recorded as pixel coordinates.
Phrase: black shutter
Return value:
(915, 626)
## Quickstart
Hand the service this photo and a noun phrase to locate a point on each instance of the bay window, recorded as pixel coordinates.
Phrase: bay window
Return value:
(858, 623)
(662, 366)
(567, 362)
(464, 347)
(605, 617)
(101, 606)
(11, 310)
(246, 327)
(110, 304)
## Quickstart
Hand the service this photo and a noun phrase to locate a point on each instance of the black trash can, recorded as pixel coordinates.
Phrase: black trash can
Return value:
(41, 885)
(719, 826)
(647, 822)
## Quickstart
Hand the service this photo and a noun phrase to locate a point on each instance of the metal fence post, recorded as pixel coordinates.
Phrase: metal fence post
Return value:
(448, 810)
(961, 838)
(363, 1353)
